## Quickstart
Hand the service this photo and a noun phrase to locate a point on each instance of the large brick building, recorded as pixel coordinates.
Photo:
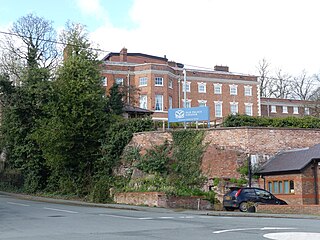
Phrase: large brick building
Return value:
(160, 85)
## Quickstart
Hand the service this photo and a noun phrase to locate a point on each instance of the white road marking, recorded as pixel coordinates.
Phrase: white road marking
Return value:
(117, 216)
(59, 210)
(166, 217)
(146, 218)
(292, 235)
(19, 204)
(186, 217)
(245, 229)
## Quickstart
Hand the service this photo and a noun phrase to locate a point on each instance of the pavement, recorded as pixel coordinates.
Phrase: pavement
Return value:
(156, 209)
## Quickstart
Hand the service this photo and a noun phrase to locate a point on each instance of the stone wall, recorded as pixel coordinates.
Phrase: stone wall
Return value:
(159, 199)
(188, 203)
(228, 148)
(263, 140)
(151, 199)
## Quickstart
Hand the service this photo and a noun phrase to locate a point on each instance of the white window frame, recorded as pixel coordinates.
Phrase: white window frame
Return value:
(158, 97)
(248, 90)
(248, 106)
(188, 103)
(202, 87)
(143, 81)
(217, 88)
(170, 84)
(233, 90)
(157, 81)
(306, 111)
(295, 110)
(119, 81)
(273, 108)
(170, 101)
(218, 109)
(202, 103)
(234, 104)
(104, 81)
(143, 101)
(188, 86)
(284, 109)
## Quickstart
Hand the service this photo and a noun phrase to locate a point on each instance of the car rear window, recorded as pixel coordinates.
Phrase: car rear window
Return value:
(232, 192)
(249, 192)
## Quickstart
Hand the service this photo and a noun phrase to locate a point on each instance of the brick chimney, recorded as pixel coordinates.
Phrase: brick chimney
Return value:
(221, 68)
(123, 55)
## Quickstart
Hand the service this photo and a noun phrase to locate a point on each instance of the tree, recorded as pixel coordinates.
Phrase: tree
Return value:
(70, 137)
(31, 42)
(315, 106)
(264, 79)
(281, 85)
(303, 86)
(115, 102)
(24, 103)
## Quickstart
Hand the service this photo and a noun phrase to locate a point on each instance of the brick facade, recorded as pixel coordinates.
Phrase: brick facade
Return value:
(132, 67)
(304, 185)
(274, 107)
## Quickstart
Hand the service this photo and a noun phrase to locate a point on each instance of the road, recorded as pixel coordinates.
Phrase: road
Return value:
(33, 220)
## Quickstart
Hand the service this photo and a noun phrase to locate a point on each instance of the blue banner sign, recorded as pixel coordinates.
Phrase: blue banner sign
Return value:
(189, 114)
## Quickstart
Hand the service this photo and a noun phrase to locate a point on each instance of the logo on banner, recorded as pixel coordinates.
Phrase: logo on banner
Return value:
(179, 114)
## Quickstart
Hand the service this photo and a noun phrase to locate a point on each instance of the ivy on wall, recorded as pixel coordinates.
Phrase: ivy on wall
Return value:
(174, 169)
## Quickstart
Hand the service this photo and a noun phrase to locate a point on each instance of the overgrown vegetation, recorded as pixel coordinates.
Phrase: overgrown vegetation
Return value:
(173, 168)
(59, 132)
(289, 122)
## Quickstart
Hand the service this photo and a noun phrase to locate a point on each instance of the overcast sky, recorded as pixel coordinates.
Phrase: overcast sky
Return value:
(237, 33)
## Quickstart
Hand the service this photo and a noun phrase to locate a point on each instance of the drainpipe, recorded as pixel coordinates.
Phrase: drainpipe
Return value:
(128, 93)
(315, 177)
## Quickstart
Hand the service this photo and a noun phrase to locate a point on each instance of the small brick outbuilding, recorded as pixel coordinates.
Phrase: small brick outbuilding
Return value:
(294, 175)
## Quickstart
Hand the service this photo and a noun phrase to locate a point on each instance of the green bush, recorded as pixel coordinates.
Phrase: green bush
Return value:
(287, 122)
(156, 160)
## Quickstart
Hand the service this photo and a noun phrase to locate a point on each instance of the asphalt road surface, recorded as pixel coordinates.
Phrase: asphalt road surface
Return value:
(33, 220)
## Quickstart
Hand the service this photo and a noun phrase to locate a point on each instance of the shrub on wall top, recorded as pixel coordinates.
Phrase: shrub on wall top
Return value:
(287, 122)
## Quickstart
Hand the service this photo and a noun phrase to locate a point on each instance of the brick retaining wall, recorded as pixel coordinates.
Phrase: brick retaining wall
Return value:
(228, 147)
(289, 209)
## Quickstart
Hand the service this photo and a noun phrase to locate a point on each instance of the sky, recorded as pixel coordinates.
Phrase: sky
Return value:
(203, 33)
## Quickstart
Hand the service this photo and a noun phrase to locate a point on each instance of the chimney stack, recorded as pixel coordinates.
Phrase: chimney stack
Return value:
(221, 68)
(123, 55)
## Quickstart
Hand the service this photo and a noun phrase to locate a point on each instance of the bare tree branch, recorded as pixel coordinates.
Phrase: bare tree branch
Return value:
(264, 80)
(303, 86)
(31, 42)
(281, 85)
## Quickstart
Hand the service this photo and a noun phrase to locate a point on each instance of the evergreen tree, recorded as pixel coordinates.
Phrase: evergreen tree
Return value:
(23, 104)
(115, 100)
(70, 136)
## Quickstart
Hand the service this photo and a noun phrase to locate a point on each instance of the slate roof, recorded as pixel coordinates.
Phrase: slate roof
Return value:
(129, 108)
(292, 160)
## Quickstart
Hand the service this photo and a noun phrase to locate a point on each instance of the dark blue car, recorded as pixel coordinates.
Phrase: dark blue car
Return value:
(238, 198)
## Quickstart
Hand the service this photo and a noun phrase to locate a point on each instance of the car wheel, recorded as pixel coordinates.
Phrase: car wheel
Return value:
(243, 207)
(229, 208)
